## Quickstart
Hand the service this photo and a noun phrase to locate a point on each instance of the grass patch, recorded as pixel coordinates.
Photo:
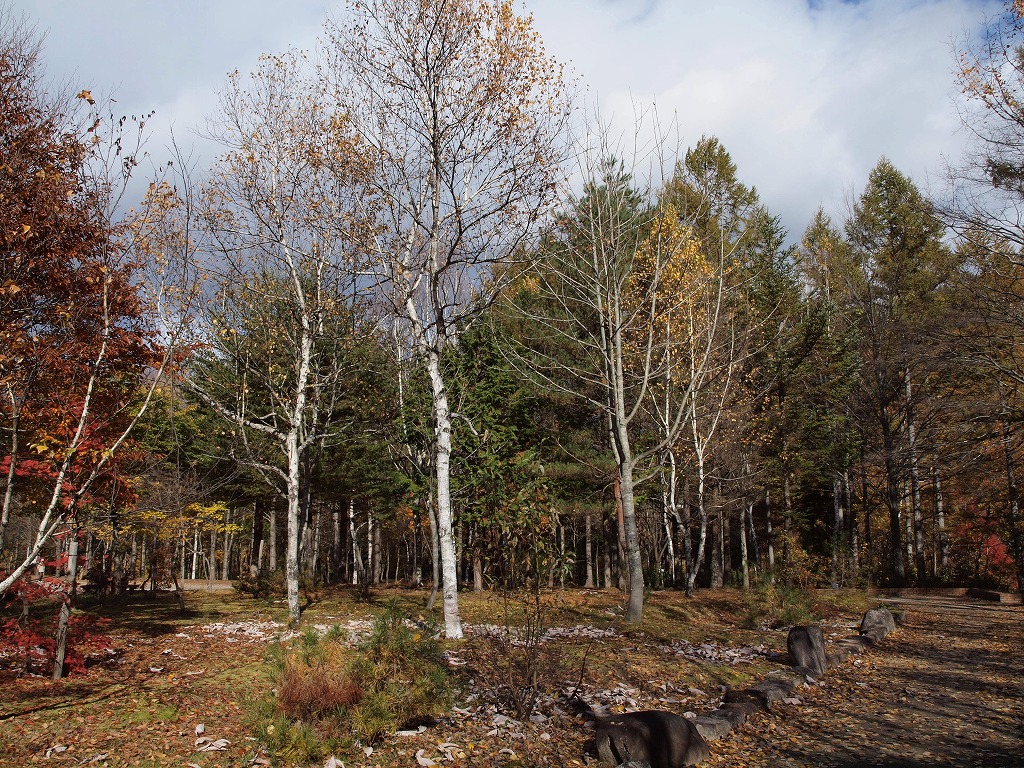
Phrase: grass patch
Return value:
(774, 605)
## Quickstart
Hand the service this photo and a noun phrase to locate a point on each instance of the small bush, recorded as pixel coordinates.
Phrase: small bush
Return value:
(773, 606)
(262, 586)
(331, 695)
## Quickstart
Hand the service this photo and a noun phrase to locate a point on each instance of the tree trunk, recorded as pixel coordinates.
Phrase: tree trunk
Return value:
(915, 488)
(225, 570)
(634, 609)
(851, 525)
(272, 537)
(294, 522)
(702, 529)
(256, 550)
(838, 527)
(940, 521)
(743, 543)
(336, 550)
(589, 550)
(66, 605)
(445, 515)
(435, 554)
(1016, 541)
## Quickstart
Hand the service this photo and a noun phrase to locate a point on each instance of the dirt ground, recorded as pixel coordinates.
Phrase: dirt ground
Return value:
(946, 689)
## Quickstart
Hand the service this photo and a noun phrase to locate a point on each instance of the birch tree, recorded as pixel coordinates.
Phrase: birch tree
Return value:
(464, 113)
(271, 242)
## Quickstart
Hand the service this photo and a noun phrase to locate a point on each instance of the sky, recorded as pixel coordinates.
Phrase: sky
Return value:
(806, 95)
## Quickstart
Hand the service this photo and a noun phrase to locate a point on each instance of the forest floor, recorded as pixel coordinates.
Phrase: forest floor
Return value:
(946, 689)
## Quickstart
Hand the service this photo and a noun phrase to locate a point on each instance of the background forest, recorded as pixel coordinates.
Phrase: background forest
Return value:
(424, 320)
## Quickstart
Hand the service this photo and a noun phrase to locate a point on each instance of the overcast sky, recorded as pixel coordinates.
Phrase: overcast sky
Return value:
(806, 95)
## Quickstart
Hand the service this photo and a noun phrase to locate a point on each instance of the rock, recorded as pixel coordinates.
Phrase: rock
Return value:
(712, 728)
(734, 717)
(877, 623)
(857, 643)
(838, 655)
(806, 646)
(660, 739)
(757, 699)
(775, 688)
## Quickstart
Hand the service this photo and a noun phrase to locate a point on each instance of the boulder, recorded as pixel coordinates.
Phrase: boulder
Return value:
(806, 646)
(775, 688)
(877, 623)
(752, 696)
(660, 739)
(731, 713)
(712, 728)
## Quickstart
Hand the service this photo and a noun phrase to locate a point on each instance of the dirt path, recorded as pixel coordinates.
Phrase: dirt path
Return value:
(947, 689)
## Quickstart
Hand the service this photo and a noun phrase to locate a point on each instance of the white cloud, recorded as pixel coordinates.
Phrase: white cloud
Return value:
(805, 95)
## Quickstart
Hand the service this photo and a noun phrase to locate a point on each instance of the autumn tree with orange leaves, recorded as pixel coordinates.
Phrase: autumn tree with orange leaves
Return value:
(76, 345)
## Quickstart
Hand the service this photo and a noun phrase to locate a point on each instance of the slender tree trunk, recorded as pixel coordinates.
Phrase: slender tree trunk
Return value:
(864, 498)
(755, 550)
(851, 525)
(589, 550)
(702, 528)
(294, 522)
(610, 538)
(435, 554)
(687, 538)
(1016, 541)
(743, 543)
(445, 516)
(358, 568)
(225, 570)
(478, 562)
(620, 541)
(893, 499)
(64, 617)
(915, 487)
(256, 550)
(769, 535)
(336, 550)
(272, 537)
(634, 609)
(940, 521)
(717, 549)
(787, 531)
(838, 526)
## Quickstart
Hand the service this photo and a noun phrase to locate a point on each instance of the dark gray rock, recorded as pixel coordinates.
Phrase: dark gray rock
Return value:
(756, 698)
(806, 646)
(728, 712)
(775, 688)
(877, 623)
(837, 655)
(712, 728)
(857, 643)
(661, 739)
